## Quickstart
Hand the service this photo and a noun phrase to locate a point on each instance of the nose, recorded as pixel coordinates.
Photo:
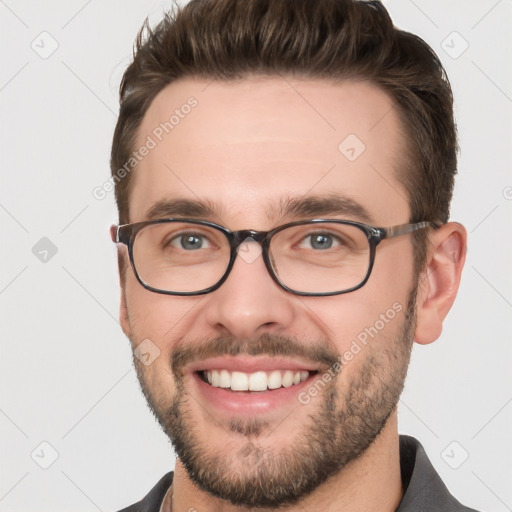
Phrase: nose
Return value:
(249, 302)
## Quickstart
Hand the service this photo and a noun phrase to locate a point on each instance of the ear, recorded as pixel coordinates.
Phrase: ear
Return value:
(122, 262)
(439, 282)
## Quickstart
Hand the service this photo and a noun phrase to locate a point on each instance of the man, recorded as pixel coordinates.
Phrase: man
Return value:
(283, 175)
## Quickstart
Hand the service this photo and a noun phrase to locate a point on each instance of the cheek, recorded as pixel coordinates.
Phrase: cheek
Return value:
(157, 317)
(361, 317)
(154, 323)
(372, 313)
(368, 336)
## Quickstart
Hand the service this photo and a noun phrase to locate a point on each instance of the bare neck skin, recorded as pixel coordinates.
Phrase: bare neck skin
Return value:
(370, 483)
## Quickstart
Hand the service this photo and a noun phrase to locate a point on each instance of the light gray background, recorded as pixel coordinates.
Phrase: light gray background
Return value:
(66, 372)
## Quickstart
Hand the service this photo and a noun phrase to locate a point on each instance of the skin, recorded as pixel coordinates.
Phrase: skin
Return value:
(251, 143)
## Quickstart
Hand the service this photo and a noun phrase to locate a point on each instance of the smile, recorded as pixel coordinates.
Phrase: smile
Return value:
(245, 386)
(257, 381)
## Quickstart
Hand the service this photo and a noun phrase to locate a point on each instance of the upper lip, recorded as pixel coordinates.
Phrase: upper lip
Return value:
(252, 364)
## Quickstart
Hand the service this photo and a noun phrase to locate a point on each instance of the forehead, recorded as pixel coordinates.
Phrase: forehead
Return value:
(247, 147)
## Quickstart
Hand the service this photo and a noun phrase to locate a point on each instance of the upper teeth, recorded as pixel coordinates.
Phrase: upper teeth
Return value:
(258, 381)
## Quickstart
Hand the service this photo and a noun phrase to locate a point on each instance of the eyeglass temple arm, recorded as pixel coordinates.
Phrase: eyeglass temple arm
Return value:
(404, 229)
(114, 234)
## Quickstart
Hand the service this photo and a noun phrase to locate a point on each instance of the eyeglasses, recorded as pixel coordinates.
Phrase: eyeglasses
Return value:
(318, 257)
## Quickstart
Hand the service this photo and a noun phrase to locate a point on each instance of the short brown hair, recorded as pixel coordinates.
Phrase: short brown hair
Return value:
(324, 39)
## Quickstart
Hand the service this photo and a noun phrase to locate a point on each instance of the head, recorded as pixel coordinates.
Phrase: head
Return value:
(258, 113)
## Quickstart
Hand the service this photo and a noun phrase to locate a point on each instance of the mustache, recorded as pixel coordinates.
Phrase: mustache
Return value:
(270, 345)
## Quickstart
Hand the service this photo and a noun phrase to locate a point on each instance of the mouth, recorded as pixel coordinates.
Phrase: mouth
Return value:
(249, 387)
(258, 381)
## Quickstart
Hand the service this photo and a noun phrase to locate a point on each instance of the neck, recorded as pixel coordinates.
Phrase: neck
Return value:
(372, 482)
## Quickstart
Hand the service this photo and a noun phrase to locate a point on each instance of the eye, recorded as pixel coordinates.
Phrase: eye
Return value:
(190, 242)
(320, 241)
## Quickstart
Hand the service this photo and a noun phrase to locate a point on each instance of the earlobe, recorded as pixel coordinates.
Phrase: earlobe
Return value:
(440, 280)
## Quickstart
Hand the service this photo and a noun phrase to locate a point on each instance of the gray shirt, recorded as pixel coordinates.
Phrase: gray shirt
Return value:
(424, 489)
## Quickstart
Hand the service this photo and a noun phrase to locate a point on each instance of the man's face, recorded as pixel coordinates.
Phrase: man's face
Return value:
(247, 148)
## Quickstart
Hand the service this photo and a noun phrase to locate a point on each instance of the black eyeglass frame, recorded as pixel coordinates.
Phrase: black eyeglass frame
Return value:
(126, 233)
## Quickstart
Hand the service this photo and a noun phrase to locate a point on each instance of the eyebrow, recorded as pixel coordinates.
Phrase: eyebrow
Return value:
(320, 206)
(182, 208)
(286, 209)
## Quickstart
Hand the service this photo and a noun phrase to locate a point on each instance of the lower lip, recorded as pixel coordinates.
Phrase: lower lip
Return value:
(250, 402)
